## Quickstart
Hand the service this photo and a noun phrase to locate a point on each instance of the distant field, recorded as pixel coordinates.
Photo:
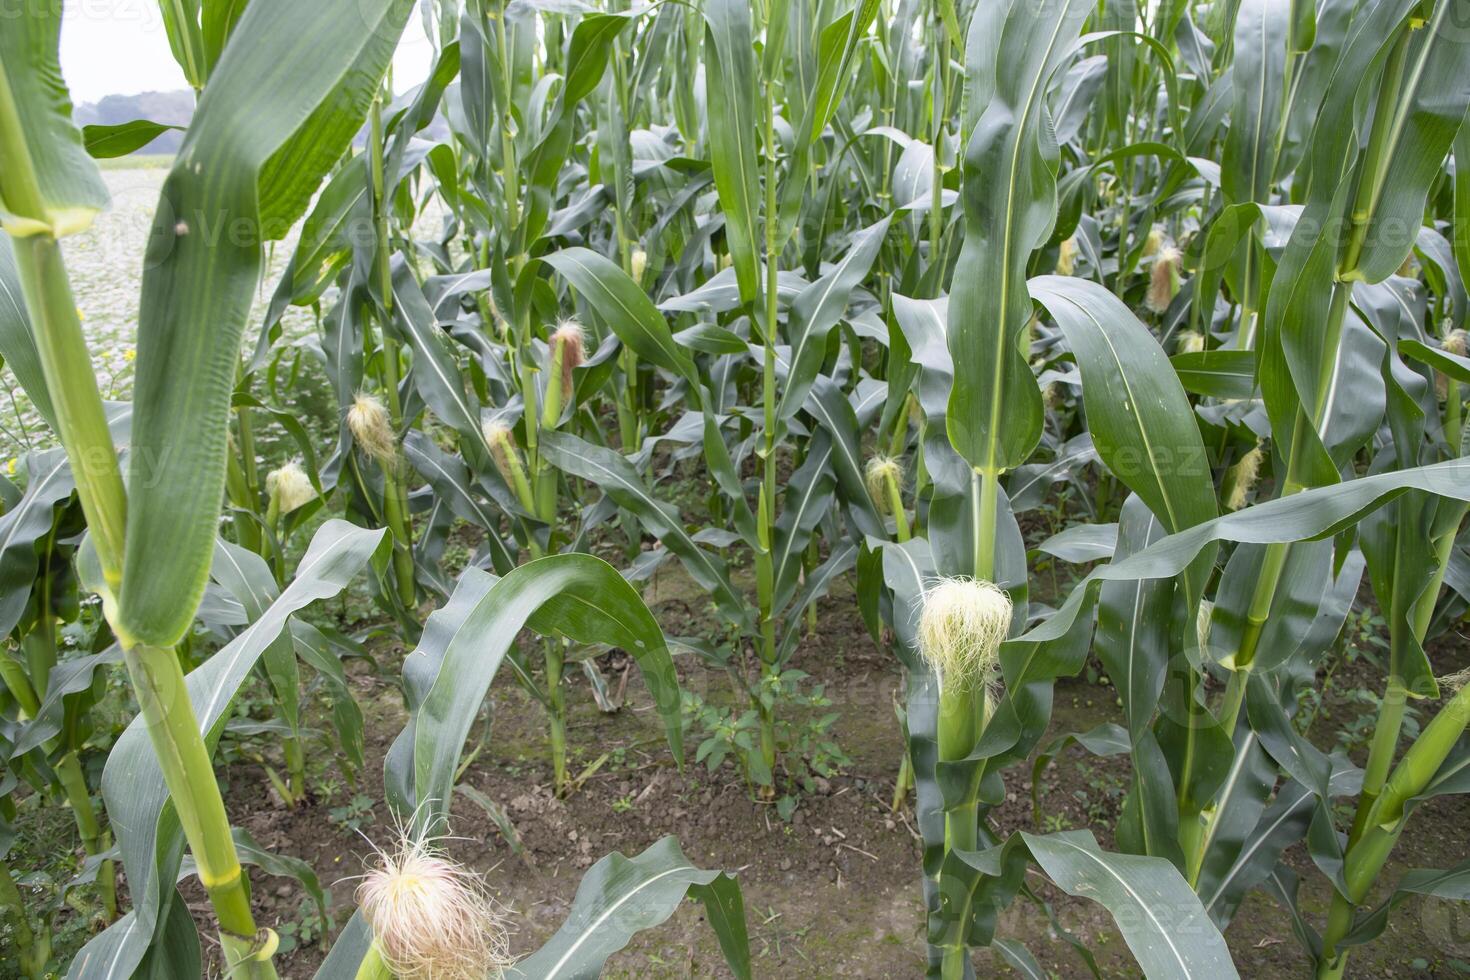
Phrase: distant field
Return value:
(138, 161)
(105, 265)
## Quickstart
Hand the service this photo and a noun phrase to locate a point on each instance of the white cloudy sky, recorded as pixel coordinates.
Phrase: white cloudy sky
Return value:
(118, 47)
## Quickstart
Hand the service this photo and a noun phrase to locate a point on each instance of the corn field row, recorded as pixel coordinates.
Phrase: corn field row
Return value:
(1050, 338)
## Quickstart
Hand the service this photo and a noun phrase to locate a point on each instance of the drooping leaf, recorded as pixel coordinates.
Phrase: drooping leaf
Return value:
(107, 142)
(148, 832)
(620, 896)
(202, 267)
(68, 189)
(575, 596)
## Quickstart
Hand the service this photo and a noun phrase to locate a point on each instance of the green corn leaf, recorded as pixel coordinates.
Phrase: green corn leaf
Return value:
(106, 142)
(1293, 346)
(1261, 29)
(1137, 412)
(575, 596)
(200, 270)
(217, 21)
(808, 495)
(72, 676)
(730, 78)
(621, 896)
(1009, 196)
(24, 528)
(587, 53)
(1160, 917)
(283, 866)
(1217, 373)
(1462, 199)
(454, 486)
(17, 343)
(436, 371)
(617, 478)
(40, 138)
(818, 308)
(186, 39)
(1450, 885)
(1435, 97)
(624, 307)
(1451, 365)
(1133, 624)
(618, 897)
(1281, 825)
(149, 837)
(1306, 516)
(834, 71)
(1119, 16)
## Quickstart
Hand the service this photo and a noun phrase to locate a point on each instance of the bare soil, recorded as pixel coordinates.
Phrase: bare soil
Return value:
(833, 892)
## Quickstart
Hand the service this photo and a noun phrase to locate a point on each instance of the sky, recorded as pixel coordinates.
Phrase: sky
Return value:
(119, 47)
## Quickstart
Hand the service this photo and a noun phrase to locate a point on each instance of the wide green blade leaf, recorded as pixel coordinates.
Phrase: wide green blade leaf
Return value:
(203, 264)
(818, 308)
(17, 343)
(1436, 93)
(1304, 516)
(35, 115)
(107, 142)
(1259, 73)
(1009, 197)
(617, 478)
(575, 596)
(621, 896)
(1140, 419)
(730, 79)
(1217, 373)
(625, 307)
(149, 837)
(1160, 917)
(23, 527)
(586, 59)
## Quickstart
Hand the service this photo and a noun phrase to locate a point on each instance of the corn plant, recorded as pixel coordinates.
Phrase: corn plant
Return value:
(51, 189)
(1117, 337)
(577, 597)
(1202, 776)
(52, 697)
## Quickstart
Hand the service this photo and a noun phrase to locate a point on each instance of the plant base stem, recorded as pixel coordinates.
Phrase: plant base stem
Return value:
(188, 772)
(94, 840)
(557, 709)
(905, 780)
(34, 951)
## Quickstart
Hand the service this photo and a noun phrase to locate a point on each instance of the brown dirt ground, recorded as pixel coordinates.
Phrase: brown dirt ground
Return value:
(835, 892)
